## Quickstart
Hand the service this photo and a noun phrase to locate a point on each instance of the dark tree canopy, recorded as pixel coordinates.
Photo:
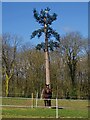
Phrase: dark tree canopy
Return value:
(52, 45)
(44, 18)
(44, 14)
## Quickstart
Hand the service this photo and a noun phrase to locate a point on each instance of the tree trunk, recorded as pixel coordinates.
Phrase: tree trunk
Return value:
(47, 61)
(7, 83)
(47, 67)
(7, 80)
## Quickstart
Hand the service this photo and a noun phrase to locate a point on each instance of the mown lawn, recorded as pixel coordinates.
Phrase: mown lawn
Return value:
(42, 113)
(71, 108)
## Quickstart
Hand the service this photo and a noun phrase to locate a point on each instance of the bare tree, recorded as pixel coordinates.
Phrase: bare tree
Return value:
(72, 49)
(9, 49)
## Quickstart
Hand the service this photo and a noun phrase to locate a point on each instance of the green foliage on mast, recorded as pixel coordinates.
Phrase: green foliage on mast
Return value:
(44, 18)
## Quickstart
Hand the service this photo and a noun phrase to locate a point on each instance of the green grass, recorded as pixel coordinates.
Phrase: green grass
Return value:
(71, 108)
(41, 113)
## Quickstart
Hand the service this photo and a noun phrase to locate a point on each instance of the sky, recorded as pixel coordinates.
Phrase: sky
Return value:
(0, 17)
(45, 0)
(17, 18)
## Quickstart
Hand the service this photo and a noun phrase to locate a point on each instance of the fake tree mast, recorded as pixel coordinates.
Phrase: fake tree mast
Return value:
(45, 20)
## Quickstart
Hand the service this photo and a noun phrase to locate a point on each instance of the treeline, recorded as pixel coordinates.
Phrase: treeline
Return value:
(23, 67)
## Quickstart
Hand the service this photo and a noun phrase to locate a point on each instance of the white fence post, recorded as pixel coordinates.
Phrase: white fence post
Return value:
(36, 98)
(32, 101)
(56, 108)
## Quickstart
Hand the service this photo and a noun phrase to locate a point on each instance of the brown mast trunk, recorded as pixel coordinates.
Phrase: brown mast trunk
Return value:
(47, 68)
(47, 61)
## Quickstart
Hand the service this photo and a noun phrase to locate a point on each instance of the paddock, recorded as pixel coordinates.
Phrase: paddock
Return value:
(15, 107)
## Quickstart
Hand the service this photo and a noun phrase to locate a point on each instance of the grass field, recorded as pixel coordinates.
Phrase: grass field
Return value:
(23, 109)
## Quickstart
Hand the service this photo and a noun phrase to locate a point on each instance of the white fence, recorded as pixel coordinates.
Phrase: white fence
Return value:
(35, 103)
(31, 103)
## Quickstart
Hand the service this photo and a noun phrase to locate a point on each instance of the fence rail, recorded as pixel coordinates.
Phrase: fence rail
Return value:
(56, 104)
(34, 103)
